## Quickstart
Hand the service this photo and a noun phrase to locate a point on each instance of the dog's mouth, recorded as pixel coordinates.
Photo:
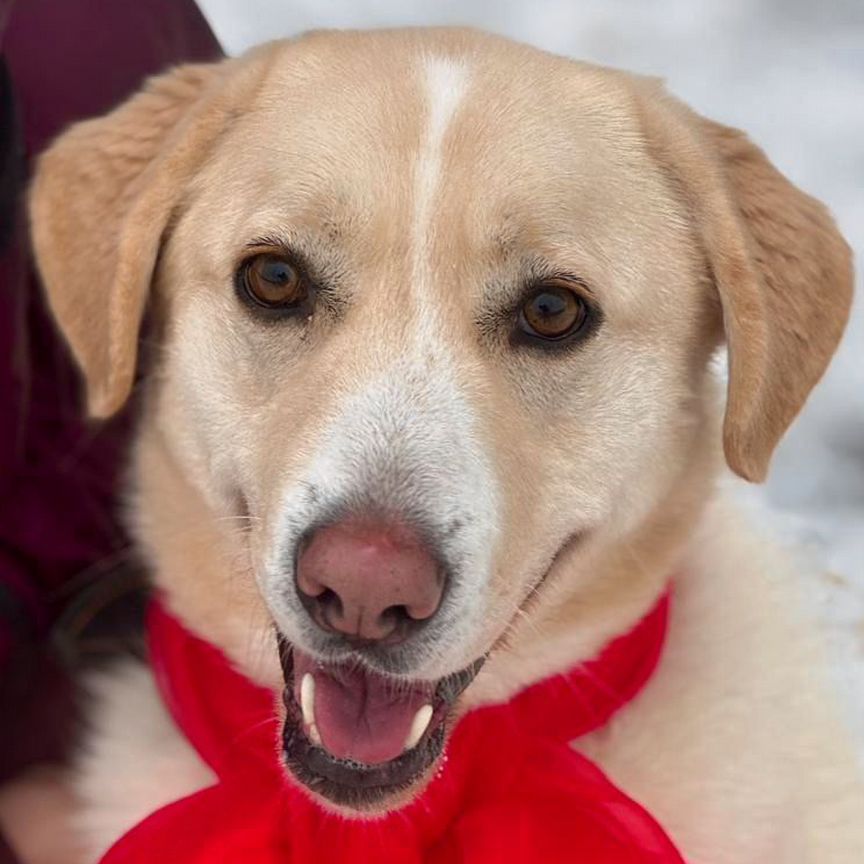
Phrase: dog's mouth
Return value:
(356, 737)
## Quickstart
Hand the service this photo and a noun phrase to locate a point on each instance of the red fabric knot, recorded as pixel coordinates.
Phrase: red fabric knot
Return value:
(510, 788)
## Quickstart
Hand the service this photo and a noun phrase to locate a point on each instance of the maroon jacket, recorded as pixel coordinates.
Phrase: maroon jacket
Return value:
(59, 62)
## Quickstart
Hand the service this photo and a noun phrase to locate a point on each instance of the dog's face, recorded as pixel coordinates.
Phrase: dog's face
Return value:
(434, 316)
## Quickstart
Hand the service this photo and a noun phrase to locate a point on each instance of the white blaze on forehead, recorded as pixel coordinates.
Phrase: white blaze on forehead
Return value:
(444, 84)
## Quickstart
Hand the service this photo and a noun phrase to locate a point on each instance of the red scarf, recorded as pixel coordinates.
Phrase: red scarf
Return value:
(510, 789)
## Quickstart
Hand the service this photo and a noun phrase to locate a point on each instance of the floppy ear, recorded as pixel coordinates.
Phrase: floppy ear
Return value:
(782, 271)
(101, 199)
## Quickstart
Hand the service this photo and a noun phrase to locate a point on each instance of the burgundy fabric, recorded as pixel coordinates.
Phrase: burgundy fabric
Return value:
(59, 474)
(79, 58)
(7, 856)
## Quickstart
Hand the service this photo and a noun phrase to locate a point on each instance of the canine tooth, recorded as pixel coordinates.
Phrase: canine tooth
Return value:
(418, 726)
(307, 699)
(314, 737)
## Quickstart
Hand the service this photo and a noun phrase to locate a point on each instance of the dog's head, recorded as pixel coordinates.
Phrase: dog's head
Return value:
(433, 316)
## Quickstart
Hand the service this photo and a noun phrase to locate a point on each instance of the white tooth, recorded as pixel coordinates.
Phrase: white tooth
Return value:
(307, 699)
(314, 737)
(418, 726)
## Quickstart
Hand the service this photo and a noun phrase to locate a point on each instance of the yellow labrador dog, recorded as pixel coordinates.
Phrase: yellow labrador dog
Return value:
(436, 313)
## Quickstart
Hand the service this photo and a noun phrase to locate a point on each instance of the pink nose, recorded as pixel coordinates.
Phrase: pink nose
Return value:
(369, 580)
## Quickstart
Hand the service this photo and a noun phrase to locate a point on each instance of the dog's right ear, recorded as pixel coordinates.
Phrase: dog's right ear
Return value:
(779, 267)
(100, 202)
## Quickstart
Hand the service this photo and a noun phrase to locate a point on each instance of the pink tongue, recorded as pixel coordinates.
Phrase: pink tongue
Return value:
(360, 715)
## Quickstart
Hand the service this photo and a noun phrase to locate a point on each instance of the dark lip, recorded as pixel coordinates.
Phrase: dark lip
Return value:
(352, 784)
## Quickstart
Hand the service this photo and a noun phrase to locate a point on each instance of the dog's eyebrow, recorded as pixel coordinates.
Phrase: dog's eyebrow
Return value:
(270, 240)
(510, 286)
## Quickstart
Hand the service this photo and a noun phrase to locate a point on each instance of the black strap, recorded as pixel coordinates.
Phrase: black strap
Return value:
(11, 157)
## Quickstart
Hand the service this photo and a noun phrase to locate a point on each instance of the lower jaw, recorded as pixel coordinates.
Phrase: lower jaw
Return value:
(358, 789)
(355, 789)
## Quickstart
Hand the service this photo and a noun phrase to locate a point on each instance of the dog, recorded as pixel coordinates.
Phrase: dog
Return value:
(436, 315)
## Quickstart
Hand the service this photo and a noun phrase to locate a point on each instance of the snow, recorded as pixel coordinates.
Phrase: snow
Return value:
(790, 72)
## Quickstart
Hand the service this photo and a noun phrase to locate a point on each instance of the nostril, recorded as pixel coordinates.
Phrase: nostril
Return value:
(414, 614)
(397, 619)
(324, 606)
(329, 601)
(396, 623)
(397, 613)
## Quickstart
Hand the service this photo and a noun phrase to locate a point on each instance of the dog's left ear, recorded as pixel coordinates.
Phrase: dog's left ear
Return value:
(782, 271)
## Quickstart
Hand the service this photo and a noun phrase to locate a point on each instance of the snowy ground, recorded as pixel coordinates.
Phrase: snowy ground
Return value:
(790, 72)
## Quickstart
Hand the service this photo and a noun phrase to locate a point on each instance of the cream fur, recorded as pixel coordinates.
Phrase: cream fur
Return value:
(738, 745)
(428, 184)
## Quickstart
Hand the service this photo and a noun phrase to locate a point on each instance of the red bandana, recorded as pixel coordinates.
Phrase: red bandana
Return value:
(510, 789)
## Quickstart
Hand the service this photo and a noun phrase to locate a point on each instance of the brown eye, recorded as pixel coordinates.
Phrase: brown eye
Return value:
(554, 311)
(272, 281)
